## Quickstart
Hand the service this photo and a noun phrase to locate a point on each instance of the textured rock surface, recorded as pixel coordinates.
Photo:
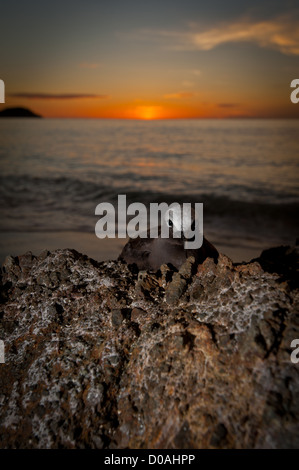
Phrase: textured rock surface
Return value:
(99, 355)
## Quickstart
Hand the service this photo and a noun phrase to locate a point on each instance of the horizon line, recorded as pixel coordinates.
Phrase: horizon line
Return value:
(135, 118)
(158, 119)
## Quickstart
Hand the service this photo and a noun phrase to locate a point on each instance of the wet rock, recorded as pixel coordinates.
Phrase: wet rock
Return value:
(282, 260)
(117, 317)
(175, 289)
(137, 315)
(179, 281)
(98, 355)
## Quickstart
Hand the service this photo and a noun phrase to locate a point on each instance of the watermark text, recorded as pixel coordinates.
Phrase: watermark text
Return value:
(295, 353)
(2, 91)
(2, 358)
(295, 93)
(163, 220)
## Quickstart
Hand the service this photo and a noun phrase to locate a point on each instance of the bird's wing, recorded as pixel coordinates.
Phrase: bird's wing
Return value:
(136, 251)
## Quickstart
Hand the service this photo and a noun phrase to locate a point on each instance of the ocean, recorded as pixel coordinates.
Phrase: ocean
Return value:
(54, 172)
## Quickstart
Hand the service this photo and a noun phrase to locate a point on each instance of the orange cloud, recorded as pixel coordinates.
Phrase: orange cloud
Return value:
(281, 33)
(278, 34)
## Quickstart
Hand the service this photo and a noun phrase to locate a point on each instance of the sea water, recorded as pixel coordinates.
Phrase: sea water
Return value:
(54, 172)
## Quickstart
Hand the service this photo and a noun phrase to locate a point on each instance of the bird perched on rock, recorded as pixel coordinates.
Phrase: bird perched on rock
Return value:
(150, 253)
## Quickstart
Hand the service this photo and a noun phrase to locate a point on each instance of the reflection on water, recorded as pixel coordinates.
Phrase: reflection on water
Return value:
(55, 172)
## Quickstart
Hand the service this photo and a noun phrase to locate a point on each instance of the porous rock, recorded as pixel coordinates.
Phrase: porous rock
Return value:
(98, 355)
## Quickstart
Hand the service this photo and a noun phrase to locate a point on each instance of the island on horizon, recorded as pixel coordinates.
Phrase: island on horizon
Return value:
(18, 112)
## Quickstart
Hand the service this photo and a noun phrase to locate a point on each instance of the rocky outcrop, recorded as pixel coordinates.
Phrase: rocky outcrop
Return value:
(99, 355)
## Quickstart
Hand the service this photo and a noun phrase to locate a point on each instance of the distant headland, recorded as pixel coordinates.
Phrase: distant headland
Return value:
(18, 112)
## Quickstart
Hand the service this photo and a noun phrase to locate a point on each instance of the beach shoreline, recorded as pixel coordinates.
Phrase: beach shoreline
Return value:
(18, 243)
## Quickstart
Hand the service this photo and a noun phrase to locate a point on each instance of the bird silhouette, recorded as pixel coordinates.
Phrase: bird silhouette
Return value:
(150, 253)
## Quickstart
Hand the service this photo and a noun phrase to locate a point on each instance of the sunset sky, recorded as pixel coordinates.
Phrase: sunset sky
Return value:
(150, 60)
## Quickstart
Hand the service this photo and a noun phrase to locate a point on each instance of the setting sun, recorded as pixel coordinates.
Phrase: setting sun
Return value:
(148, 112)
(176, 63)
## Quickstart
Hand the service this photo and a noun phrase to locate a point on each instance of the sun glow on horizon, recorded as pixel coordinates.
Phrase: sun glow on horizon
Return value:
(158, 109)
(148, 113)
(172, 60)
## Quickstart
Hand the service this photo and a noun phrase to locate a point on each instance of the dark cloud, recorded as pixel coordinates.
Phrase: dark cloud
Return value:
(54, 96)
(227, 105)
